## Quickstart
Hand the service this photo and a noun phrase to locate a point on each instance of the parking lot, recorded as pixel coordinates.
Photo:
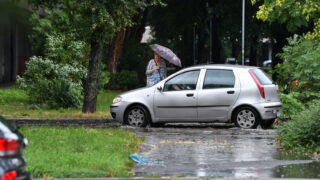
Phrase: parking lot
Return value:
(219, 150)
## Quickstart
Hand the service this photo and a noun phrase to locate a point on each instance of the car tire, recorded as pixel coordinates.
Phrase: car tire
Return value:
(137, 116)
(246, 117)
(266, 124)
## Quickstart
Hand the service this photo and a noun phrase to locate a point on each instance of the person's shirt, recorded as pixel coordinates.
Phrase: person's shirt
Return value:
(157, 75)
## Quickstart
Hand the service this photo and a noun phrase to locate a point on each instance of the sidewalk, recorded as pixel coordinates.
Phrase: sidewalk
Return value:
(105, 122)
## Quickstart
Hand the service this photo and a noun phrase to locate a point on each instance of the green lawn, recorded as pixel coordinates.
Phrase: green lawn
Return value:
(79, 152)
(14, 103)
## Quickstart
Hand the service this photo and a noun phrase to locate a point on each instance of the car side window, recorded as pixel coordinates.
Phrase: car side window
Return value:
(183, 81)
(219, 78)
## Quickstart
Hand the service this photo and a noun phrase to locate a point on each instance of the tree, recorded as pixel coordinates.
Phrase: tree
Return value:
(96, 22)
(295, 14)
(125, 36)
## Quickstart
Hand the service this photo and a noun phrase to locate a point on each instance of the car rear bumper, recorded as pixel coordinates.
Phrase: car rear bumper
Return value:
(17, 164)
(24, 176)
(269, 110)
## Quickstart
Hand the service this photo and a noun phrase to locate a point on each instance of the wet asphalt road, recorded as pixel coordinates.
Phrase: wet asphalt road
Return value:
(219, 150)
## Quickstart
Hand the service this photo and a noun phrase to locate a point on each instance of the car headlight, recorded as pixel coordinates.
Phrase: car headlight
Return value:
(116, 99)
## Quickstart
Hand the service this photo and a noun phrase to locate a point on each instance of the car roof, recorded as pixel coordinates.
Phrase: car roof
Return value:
(229, 66)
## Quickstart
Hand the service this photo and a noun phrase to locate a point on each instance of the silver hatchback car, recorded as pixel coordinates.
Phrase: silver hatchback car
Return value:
(244, 95)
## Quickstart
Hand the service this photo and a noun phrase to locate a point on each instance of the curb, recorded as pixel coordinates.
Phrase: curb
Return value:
(64, 122)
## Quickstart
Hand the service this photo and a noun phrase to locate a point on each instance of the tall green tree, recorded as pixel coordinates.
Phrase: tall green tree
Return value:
(95, 22)
(294, 14)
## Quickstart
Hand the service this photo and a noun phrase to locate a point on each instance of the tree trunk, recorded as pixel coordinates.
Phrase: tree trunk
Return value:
(122, 37)
(92, 82)
(117, 51)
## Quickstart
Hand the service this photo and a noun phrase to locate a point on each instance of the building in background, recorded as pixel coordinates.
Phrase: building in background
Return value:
(15, 47)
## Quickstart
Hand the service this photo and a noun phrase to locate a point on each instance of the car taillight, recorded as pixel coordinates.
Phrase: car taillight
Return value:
(9, 175)
(260, 87)
(8, 147)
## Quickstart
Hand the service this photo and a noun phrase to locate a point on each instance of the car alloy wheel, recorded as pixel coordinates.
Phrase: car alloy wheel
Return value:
(137, 116)
(247, 118)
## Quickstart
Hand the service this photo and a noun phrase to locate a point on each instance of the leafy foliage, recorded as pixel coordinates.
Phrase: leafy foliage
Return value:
(95, 22)
(302, 133)
(300, 71)
(52, 84)
(290, 104)
(61, 48)
(92, 19)
(55, 31)
(295, 13)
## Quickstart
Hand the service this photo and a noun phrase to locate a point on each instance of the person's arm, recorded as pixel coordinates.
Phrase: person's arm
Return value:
(151, 69)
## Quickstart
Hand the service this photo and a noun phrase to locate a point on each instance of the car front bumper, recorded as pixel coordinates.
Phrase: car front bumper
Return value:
(117, 110)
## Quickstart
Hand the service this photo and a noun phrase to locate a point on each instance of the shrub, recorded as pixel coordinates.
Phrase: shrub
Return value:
(64, 95)
(300, 69)
(290, 105)
(123, 80)
(302, 133)
(61, 48)
(51, 84)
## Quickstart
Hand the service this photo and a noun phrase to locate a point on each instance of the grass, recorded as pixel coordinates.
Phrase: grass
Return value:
(14, 104)
(79, 152)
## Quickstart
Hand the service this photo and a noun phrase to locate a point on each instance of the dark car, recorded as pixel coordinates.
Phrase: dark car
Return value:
(12, 143)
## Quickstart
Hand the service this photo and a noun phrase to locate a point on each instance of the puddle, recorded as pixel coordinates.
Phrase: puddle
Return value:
(309, 170)
(220, 152)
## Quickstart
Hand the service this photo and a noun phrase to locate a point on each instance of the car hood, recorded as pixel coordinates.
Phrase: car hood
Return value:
(144, 90)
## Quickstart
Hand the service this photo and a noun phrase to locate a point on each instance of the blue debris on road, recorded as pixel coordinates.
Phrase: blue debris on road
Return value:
(141, 160)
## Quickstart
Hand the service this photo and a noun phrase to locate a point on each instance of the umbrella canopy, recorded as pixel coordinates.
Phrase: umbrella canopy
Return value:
(166, 54)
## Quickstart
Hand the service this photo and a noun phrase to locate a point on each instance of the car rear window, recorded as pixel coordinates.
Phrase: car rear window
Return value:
(263, 78)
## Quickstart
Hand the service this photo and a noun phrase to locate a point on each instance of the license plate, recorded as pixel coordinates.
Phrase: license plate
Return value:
(277, 112)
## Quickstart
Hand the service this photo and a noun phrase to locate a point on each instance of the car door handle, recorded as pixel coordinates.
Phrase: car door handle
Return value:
(230, 92)
(190, 95)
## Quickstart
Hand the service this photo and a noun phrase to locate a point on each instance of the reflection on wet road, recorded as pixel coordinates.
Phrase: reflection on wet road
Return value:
(220, 152)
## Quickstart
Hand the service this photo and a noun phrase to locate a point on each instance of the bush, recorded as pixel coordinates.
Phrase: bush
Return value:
(123, 80)
(51, 84)
(62, 48)
(300, 69)
(64, 95)
(290, 105)
(302, 133)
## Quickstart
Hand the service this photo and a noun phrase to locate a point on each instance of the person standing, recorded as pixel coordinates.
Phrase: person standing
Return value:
(156, 70)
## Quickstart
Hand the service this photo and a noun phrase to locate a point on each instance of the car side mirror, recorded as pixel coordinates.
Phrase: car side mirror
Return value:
(159, 88)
